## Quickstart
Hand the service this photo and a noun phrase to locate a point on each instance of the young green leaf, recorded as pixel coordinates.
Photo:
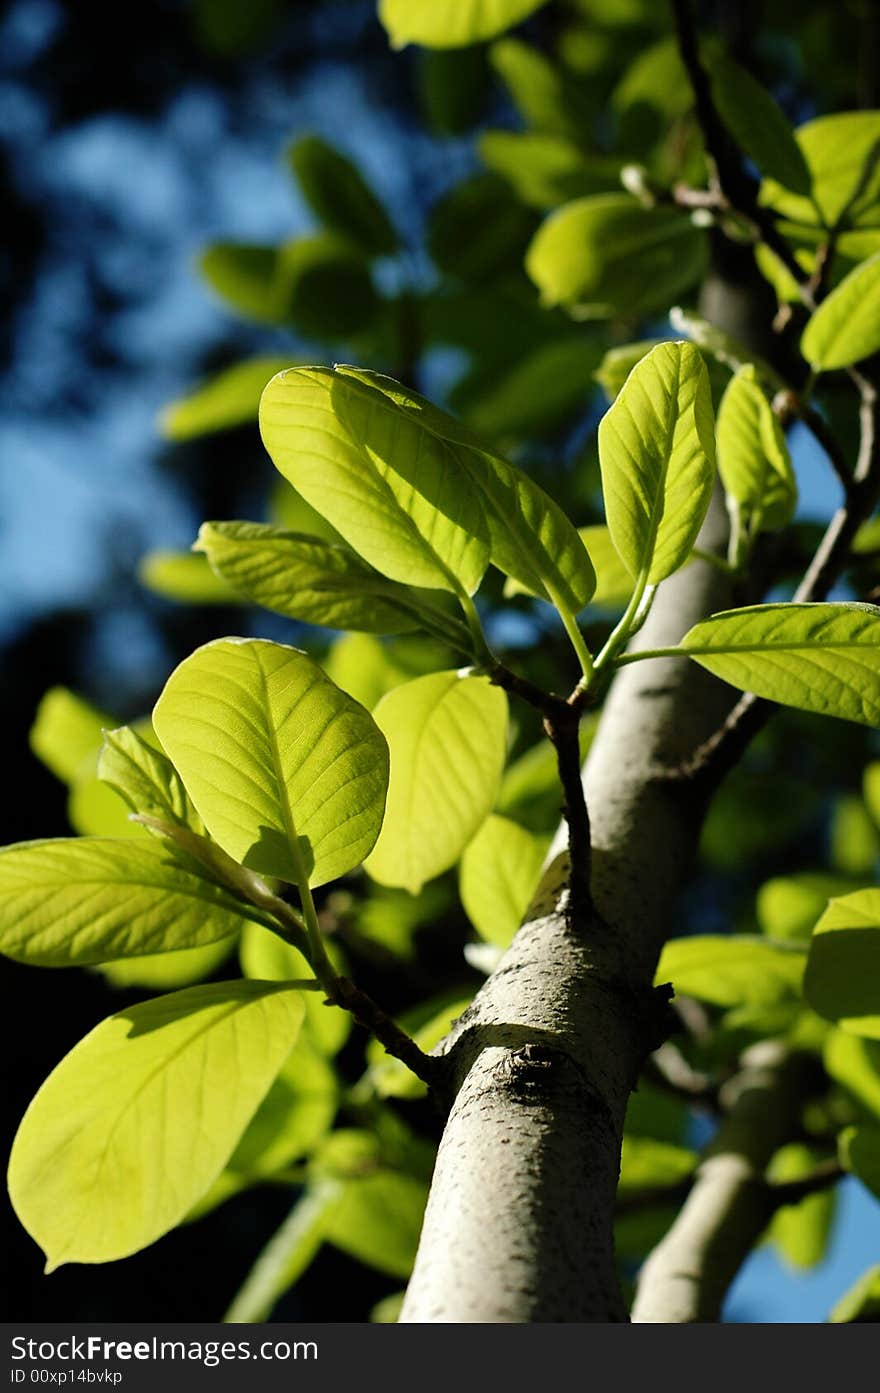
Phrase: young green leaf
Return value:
(499, 873)
(87, 900)
(448, 739)
(451, 23)
(753, 458)
(732, 969)
(788, 906)
(801, 1232)
(136, 1123)
(758, 125)
(541, 90)
(336, 190)
(613, 581)
(846, 326)
(315, 581)
(66, 730)
(295, 1114)
(724, 348)
(395, 491)
(546, 170)
(184, 578)
(265, 957)
(229, 399)
(287, 772)
(147, 781)
(245, 275)
(842, 981)
(840, 152)
(657, 455)
(608, 255)
(166, 972)
(618, 363)
(818, 657)
(414, 491)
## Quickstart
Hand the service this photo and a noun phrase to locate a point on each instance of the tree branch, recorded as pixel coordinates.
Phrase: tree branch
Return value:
(687, 1275)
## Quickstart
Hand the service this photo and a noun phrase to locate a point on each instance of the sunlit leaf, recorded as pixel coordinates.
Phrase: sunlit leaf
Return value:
(66, 730)
(86, 900)
(448, 738)
(788, 906)
(451, 23)
(818, 657)
(145, 779)
(267, 958)
(732, 969)
(657, 453)
(800, 1232)
(499, 874)
(608, 255)
(140, 1118)
(753, 458)
(229, 399)
(287, 772)
(838, 150)
(846, 326)
(188, 579)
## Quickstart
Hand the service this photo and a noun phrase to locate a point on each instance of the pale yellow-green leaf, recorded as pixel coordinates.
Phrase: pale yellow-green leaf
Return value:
(818, 657)
(800, 1232)
(145, 779)
(753, 458)
(231, 398)
(186, 578)
(287, 772)
(498, 876)
(138, 1121)
(861, 1302)
(657, 454)
(65, 730)
(451, 23)
(837, 150)
(395, 491)
(166, 972)
(732, 969)
(448, 737)
(846, 326)
(295, 1114)
(82, 900)
(267, 958)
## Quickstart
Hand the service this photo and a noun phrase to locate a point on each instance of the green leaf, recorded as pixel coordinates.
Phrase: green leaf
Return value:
(724, 348)
(758, 125)
(859, 1149)
(817, 657)
(295, 1114)
(315, 581)
(539, 393)
(395, 491)
(861, 1302)
(846, 326)
(451, 23)
(788, 906)
(613, 580)
(853, 839)
(287, 772)
(842, 980)
(166, 972)
(414, 491)
(448, 740)
(546, 170)
(378, 1220)
(499, 874)
(137, 1122)
(363, 667)
(337, 192)
(854, 1063)
(608, 255)
(231, 398)
(800, 1232)
(646, 1162)
(66, 730)
(451, 88)
(753, 458)
(267, 958)
(479, 230)
(246, 276)
(83, 900)
(838, 151)
(732, 969)
(289, 511)
(188, 579)
(619, 362)
(657, 454)
(145, 779)
(541, 91)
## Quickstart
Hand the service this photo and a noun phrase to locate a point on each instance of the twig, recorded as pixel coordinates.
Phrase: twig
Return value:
(551, 706)
(826, 1174)
(431, 1069)
(668, 1071)
(562, 730)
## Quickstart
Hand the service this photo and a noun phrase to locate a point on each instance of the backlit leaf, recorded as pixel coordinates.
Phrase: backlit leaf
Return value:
(231, 398)
(846, 326)
(499, 874)
(147, 781)
(657, 453)
(448, 739)
(83, 900)
(842, 980)
(818, 657)
(451, 23)
(287, 772)
(753, 458)
(732, 969)
(137, 1122)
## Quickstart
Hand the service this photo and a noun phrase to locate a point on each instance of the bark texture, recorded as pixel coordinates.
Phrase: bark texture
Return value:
(519, 1223)
(686, 1277)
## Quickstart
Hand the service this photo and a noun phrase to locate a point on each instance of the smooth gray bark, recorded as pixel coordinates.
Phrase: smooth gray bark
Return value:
(687, 1276)
(519, 1222)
